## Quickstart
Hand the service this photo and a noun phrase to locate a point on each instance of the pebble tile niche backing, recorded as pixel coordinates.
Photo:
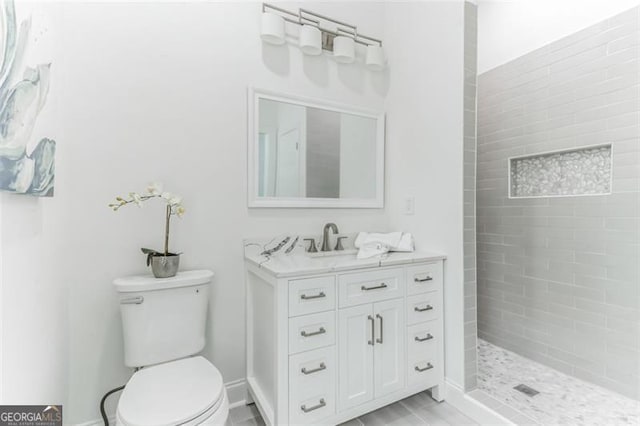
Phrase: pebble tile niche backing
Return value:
(585, 171)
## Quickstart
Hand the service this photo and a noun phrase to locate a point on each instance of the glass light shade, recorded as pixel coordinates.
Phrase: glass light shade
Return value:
(310, 40)
(375, 58)
(272, 28)
(344, 49)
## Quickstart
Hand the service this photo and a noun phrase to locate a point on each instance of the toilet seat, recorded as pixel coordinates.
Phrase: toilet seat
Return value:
(186, 391)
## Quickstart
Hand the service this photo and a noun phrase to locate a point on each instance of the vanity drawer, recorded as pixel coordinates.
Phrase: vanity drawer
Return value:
(422, 338)
(366, 287)
(423, 367)
(312, 331)
(312, 386)
(423, 307)
(424, 278)
(312, 295)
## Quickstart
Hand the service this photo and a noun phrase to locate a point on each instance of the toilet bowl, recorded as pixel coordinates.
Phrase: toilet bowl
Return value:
(185, 392)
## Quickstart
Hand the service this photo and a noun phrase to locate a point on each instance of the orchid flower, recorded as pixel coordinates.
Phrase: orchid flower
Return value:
(154, 190)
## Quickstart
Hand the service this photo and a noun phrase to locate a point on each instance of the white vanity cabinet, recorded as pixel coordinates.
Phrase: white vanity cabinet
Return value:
(327, 344)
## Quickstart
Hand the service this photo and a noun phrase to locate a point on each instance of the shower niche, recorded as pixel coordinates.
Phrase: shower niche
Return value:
(572, 172)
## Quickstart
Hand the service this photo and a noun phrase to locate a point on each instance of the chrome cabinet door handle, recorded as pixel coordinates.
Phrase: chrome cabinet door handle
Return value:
(424, 339)
(377, 287)
(321, 367)
(381, 328)
(420, 370)
(373, 326)
(421, 280)
(315, 296)
(320, 404)
(426, 308)
(132, 301)
(321, 330)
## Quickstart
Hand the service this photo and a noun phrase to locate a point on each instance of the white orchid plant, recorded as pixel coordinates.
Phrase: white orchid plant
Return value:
(174, 207)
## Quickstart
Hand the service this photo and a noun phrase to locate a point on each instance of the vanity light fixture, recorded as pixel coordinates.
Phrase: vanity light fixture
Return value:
(310, 40)
(344, 49)
(320, 32)
(375, 57)
(272, 28)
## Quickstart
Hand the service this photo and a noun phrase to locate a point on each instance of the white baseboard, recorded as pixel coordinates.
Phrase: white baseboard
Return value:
(472, 408)
(236, 391)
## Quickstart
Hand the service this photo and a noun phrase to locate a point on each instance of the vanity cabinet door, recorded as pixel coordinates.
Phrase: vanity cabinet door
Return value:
(389, 349)
(355, 352)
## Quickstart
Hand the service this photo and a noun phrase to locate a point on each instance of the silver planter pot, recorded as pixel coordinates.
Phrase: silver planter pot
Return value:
(165, 266)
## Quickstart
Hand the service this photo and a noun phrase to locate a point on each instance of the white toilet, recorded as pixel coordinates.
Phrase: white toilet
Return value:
(163, 321)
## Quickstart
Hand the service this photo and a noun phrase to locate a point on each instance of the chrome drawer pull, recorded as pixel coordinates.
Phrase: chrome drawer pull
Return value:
(426, 308)
(421, 280)
(320, 404)
(321, 330)
(425, 338)
(315, 296)
(373, 326)
(428, 367)
(378, 287)
(314, 370)
(132, 301)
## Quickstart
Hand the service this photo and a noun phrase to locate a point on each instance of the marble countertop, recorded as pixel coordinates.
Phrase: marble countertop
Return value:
(299, 263)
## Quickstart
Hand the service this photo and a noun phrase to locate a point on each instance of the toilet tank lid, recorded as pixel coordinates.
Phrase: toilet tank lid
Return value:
(148, 282)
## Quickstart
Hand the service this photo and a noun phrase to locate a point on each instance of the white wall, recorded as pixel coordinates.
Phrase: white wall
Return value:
(425, 143)
(191, 135)
(34, 334)
(508, 29)
(157, 91)
(33, 304)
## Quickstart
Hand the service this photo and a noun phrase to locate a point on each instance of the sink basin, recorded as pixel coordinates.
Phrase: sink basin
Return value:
(339, 253)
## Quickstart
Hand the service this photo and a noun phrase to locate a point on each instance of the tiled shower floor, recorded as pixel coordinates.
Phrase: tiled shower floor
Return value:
(563, 400)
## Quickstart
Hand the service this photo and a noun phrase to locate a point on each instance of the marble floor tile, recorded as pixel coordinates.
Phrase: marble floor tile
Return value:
(563, 400)
(352, 422)
(394, 414)
(242, 413)
(451, 415)
(256, 421)
(419, 409)
(419, 401)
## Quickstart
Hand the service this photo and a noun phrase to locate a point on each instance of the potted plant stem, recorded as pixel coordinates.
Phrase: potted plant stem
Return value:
(163, 264)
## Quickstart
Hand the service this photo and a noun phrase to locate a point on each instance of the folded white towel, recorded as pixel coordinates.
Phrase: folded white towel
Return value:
(375, 244)
(368, 250)
(392, 239)
(406, 243)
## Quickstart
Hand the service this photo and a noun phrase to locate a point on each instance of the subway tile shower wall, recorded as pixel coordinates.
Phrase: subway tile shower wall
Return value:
(558, 278)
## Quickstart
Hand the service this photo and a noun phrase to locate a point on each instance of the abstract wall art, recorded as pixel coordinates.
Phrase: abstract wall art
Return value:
(26, 162)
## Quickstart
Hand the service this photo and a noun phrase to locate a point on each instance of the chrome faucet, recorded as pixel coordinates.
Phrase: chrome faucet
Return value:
(325, 236)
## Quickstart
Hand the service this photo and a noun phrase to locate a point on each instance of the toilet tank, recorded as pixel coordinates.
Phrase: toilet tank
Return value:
(163, 319)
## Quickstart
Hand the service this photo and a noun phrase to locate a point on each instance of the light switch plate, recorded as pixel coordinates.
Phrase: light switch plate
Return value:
(409, 206)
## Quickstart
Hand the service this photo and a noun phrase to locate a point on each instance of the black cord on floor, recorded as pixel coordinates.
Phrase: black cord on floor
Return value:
(104, 398)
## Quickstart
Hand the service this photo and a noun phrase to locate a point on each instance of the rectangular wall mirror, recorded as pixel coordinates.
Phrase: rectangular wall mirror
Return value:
(311, 153)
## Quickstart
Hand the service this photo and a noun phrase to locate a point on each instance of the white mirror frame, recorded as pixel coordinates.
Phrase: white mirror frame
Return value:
(289, 202)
